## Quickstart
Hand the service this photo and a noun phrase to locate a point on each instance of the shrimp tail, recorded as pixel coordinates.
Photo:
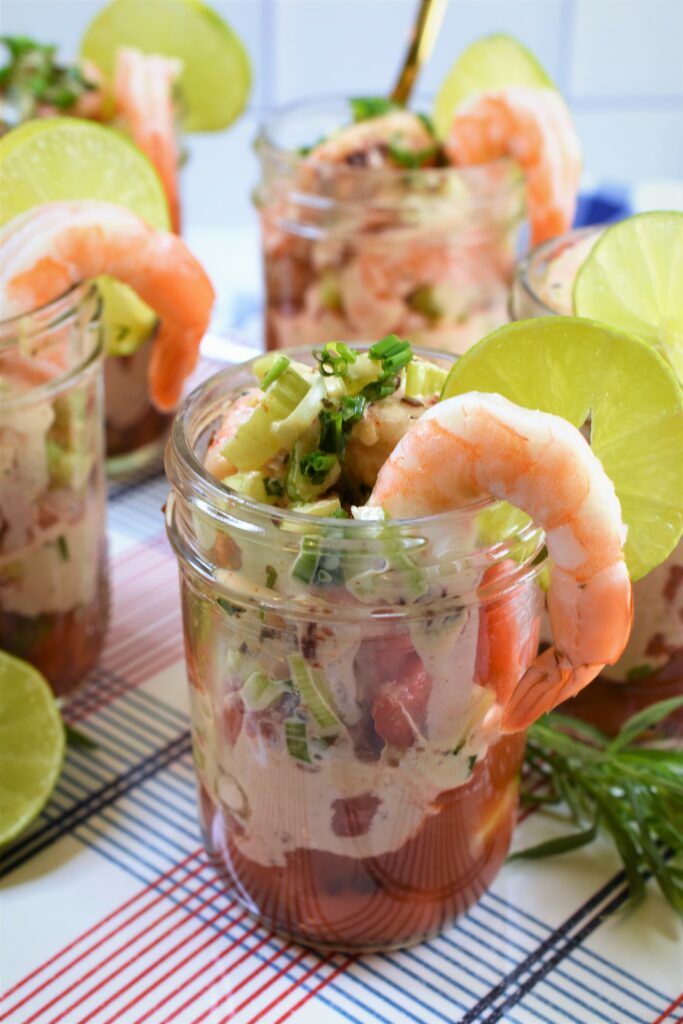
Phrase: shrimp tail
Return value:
(549, 681)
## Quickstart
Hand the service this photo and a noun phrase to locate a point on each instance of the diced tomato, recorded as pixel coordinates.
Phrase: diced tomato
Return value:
(401, 704)
(353, 816)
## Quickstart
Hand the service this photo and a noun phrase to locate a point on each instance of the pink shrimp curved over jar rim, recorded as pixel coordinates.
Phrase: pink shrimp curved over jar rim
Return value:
(50, 248)
(143, 92)
(483, 445)
(535, 127)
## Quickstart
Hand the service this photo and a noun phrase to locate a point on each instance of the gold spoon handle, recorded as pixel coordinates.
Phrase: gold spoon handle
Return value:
(422, 40)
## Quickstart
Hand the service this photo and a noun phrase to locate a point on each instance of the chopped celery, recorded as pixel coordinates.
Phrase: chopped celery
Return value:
(62, 464)
(324, 509)
(288, 430)
(295, 737)
(315, 694)
(424, 379)
(316, 568)
(252, 485)
(259, 692)
(254, 442)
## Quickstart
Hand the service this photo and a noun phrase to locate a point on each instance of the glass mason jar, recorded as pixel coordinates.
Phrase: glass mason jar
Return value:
(358, 252)
(353, 793)
(651, 667)
(53, 569)
(135, 430)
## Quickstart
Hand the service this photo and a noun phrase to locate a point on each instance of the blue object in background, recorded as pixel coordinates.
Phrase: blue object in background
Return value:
(602, 207)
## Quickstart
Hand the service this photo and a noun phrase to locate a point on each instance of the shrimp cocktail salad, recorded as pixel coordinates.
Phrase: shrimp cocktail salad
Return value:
(378, 219)
(146, 73)
(362, 537)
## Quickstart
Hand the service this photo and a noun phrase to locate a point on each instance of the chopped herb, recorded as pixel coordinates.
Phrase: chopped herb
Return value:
(352, 408)
(471, 761)
(231, 609)
(271, 576)
(428, 124)
(364, 108)
(630, 790)
(340, 513)
(63, 547)
(334, 359)
(276, 370)
(459, 747)
(393, 353)
(273, 487)
(639, 672)
(33, 77)
(332, 432)
(410, 158)
(316, 466)
(379, 389)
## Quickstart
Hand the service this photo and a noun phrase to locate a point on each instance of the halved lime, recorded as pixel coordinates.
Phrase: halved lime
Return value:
(32, 745)
(62, 158)
(216, 76)
(578, 368)
(633, 280)
(493, 62)
(67, 158)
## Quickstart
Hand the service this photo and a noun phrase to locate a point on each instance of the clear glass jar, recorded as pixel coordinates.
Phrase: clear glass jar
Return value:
(53, 568)
(135, 430)
(356, 252)
(651, 667)
(373, 824)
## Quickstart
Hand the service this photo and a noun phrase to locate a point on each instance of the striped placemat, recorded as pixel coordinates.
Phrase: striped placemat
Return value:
(110, 912)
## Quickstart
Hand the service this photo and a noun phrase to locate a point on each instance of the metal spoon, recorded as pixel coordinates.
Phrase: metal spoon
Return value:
(422, 39)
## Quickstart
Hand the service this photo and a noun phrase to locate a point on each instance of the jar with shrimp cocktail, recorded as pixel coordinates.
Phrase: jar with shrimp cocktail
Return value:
(371, 231)
(355, 792)
(651, 667)
(53, 569)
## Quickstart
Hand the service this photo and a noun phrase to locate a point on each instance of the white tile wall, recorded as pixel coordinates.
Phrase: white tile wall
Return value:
(619, 62)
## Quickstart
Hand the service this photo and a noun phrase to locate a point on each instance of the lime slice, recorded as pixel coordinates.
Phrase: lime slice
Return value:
(576, 369)
(633, 280)
(31, 745)
(216, 76)
(493, 62)
(63, 158)
(67, 158)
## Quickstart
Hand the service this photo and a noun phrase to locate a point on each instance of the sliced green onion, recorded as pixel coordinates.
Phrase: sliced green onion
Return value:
(274, 488)
(326, 508)
(312, 687)
(288, 430)
(307, 560)
(353, 408)
(259, 692)
(252, 485)
(364, 108)
(271, 576)
(410, 158)
(388, 346)
(331, 432)
(255, 443)
(63, 548)
(276, 370)
(316, 466)
(295, 737)
(424, 379)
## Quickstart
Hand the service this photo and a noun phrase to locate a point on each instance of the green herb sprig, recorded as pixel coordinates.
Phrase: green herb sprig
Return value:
(630, 789)
(33, 76)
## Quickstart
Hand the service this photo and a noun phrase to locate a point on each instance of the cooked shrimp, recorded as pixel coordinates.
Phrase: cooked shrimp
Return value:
(480, 445)
(368, 143)
(535, 127)
(143, 90)
(50, 248)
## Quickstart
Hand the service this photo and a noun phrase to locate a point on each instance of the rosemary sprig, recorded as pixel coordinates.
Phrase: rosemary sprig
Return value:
(628, 787)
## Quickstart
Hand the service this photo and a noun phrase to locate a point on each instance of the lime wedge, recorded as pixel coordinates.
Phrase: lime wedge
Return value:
(216, 76)
(579, 368)
(493, 62)
(31, 745)
(60, 158)
(67, 158)
(633, 280)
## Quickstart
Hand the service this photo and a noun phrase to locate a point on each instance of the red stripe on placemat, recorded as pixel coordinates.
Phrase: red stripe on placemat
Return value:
(245, 981)
(669, 1010)
(103, 981)
(191, 956)
(105, 920)
(197, 995)
(283, 995)
(314, 991)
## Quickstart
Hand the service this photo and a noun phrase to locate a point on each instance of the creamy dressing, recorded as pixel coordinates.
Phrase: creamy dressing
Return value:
(556, 287)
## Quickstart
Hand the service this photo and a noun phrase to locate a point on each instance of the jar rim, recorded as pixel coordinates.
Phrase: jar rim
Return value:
(266, 145)
(41, 322)
(528, 268)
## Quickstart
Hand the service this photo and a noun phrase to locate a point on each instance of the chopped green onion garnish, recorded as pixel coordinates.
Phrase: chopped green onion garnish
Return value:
(271, 576)
(276, 370)
(231, 609)
(311, 685)
(410, 158)
(317, 465)
(63, 547)
(352, 408)
(387, 347)
(297, 743)
(365, 107)
(273, 487)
